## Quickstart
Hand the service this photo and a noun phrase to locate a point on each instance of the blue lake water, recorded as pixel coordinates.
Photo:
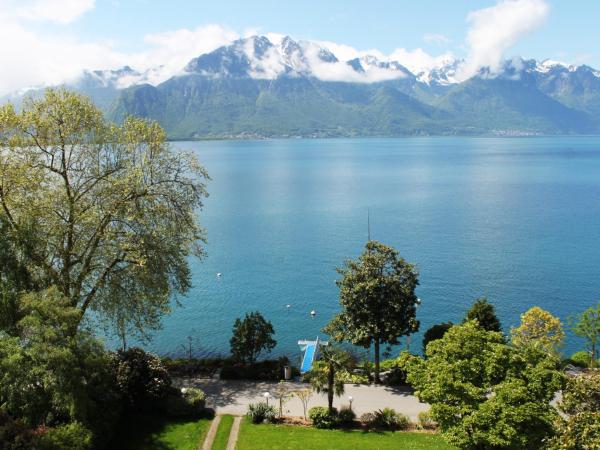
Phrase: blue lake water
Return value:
(513, 219)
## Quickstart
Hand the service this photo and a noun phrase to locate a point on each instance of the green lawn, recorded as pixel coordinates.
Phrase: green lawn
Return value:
(286, 437)
(150, 432)
(222, 436)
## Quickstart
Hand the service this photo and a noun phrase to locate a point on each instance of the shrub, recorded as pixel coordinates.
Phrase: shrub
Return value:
(388, 419)
(426, 420)
(73, 436)
(268, 370)
(14, 434)
(180, 367)
(580, 359)
(141, 378)
(321, 417)
(187, 402)
(367, 418)
(261, 413)
(346, 416)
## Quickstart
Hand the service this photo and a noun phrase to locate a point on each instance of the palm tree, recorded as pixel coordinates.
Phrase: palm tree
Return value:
(325, 374)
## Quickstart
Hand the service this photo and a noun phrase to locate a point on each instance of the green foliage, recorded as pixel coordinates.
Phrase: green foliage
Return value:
(378, 300)
(346, 416)
(587, 325)
(328, 374)
(485, 393)
(324, 418)
(141, 378)
(180, 367)
(261, 413)
(251, 336)
(435, 332)
(187, 402)
(49, 375)
(266, 370)
(72, 436)
(387, 419)
(581, 359)
(483, 312)
(106, 213)
(539, 329)
(426, 422)
(579, 427)
(14, 434)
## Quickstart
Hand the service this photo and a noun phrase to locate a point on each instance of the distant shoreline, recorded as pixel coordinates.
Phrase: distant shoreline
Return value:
(407, 136)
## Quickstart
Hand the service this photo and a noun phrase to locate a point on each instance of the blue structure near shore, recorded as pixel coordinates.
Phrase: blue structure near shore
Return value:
(311, 353)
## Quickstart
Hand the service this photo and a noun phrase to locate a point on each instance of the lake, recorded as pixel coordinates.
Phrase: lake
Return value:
(513, 219)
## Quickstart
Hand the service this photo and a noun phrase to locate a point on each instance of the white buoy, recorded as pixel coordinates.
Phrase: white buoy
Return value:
(218, 274)
(313, 313)
(288, 306)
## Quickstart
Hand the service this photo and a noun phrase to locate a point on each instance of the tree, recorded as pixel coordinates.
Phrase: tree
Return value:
(326, 374)
(106, 213)
(378, 300)
(50, 376)
(141, 378)
(484, 393)
(538, 329)
(435, 332)
(579, 425)
(587, 325)
(251, 337)
(304, 395)
(483, 312)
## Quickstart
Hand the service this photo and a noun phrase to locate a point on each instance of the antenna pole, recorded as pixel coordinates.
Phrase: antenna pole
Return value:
(368, 225)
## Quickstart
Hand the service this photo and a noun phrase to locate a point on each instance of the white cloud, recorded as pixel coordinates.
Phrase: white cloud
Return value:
(435, 38)
(35, 60)
(418, 60)
(496, 29)
(59, 11)
(174, 49)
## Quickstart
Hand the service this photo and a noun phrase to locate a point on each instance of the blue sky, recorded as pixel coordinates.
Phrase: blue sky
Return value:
(570, 32)
(53, 40)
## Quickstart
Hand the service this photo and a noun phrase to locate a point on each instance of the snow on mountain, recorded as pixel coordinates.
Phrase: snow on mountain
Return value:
(273, 56)
(258, 57)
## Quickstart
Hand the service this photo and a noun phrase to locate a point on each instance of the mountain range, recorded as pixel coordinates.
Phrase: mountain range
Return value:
(266, 87)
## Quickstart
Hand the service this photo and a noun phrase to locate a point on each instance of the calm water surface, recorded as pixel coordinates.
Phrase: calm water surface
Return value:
(516, 220)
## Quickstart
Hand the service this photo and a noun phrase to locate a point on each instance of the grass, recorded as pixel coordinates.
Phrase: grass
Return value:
(280, 437)
(222, 436)
(152, 432)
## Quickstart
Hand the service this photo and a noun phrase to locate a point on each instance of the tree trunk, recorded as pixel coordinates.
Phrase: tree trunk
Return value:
(377, 380)
(330, 380)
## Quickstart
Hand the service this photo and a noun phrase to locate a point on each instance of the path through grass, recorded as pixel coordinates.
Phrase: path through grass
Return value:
(222, 437)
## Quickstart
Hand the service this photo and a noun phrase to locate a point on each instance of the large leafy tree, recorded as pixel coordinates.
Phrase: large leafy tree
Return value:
(587, 325)
(106, 213)
(49, 376)
(327, 374)
(538, 329)
(435, 332)
(483, 312)
(484, 393)
(251, 336)
(378, 300)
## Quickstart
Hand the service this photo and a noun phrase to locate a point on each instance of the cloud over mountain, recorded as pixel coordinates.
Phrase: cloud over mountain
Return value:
(39, 58)
(496, 29)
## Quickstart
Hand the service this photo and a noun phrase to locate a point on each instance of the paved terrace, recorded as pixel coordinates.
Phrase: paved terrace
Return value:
(233, 397)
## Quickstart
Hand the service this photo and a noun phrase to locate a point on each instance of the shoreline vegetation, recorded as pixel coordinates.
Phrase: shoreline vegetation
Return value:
(366, 137)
